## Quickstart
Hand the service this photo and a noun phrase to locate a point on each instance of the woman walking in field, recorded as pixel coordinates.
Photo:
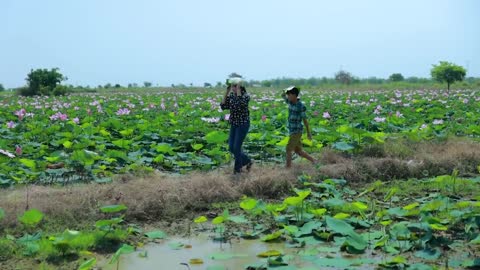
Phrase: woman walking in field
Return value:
(236, 100)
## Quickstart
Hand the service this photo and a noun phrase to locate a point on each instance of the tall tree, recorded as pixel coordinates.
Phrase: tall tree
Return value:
(147, 84)
(43, 82)
(343, 77)
(396, 77)
(448, 72)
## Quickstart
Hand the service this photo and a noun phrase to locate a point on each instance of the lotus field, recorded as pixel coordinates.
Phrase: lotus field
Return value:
(91, 137)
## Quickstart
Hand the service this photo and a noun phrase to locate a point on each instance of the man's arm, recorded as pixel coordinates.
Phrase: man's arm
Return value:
(309, 132)
(305, 122)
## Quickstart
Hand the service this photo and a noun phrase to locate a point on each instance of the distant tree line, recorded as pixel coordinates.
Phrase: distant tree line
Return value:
(342, 77)
(49, 82)
(444, 72)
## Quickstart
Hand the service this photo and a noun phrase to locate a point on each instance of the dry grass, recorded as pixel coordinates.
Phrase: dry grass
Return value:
(401, 160)
(148, 199)
(169, 197)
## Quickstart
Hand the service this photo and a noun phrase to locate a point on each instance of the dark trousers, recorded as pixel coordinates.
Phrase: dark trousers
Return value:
(235, 141)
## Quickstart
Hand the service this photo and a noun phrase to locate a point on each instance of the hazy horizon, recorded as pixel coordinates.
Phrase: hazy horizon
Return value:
(99, 42)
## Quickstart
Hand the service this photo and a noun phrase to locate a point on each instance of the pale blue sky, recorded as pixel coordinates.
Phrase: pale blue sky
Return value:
(124, 41)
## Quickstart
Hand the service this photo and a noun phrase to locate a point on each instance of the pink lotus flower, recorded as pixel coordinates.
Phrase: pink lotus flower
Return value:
(123, 111)
(76, 120)
(326, 115)
(20, 113)
(211, 119)
(264, 118)
(6, 153)
(60, 116)
(227, 117)
(438, 122)
(94, 103)
(11, 124)
(379, 119)
(18, 150)
(398, 114)
(162, 105)
(424, 126)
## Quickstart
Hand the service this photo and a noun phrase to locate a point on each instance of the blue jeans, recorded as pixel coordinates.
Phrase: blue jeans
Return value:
(235, 141)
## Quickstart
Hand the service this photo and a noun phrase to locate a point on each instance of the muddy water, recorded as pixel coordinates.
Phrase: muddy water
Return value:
(167, 255)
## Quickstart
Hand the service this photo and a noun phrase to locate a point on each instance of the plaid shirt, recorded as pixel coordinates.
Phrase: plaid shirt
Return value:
(296, 114)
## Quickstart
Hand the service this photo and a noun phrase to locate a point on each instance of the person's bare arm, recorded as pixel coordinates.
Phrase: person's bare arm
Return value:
(309, 132)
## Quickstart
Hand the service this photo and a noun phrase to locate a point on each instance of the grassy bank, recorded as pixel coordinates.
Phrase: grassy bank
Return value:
(170, 196)
(170, 202)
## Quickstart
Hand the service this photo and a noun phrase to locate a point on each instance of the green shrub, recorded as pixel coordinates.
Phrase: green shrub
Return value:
(25, 91)
(7, 249)
(60, 90)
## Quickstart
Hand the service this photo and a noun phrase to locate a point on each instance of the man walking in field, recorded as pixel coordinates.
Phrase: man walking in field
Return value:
(296, 115)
